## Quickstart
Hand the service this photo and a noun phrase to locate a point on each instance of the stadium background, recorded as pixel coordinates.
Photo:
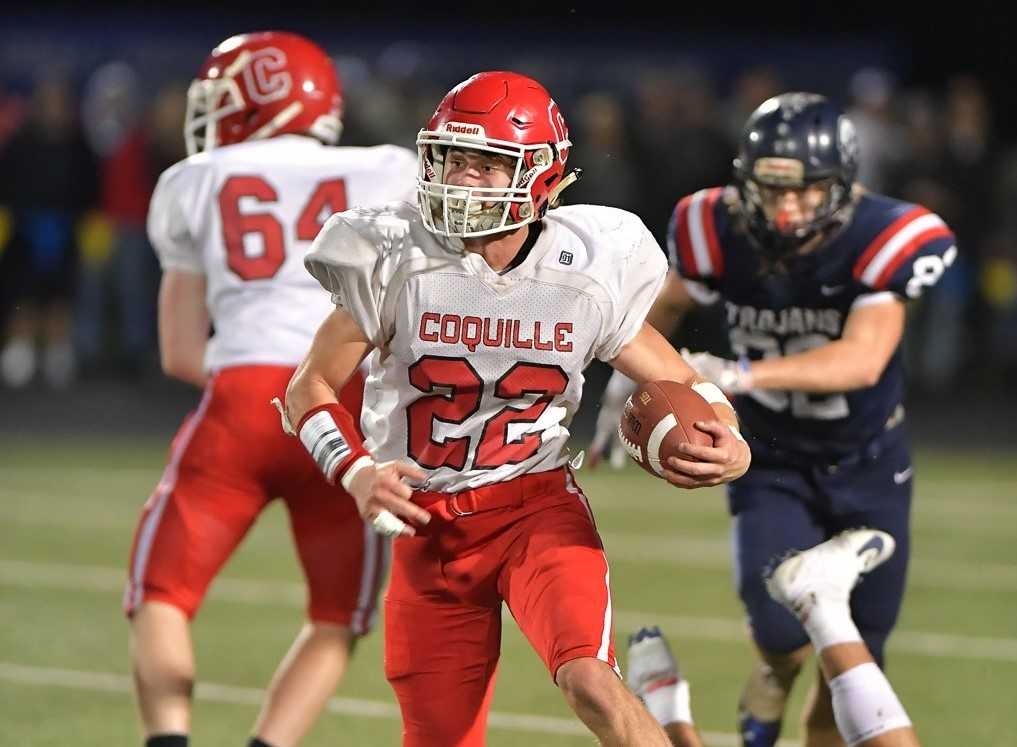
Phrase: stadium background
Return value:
(654, 99)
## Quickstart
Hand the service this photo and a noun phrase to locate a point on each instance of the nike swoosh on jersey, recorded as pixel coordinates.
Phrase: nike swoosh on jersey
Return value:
(876, 543)
(903, 476)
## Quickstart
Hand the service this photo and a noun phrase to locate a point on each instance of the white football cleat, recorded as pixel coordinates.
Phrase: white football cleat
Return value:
(651, 665)
(828, 571)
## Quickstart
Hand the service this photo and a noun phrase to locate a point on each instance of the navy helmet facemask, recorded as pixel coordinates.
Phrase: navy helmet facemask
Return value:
(801, 142)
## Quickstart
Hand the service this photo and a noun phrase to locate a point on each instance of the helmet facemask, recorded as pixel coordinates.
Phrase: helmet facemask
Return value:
(762, 189)
(469, 212)
(211, 101)
(208, 102)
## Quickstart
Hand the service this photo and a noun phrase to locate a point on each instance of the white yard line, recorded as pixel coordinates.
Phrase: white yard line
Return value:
(275, 593)
(674, 549)
(212, 692)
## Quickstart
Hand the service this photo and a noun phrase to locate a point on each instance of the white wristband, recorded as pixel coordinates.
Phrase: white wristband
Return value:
(358, 464)
(711, 393)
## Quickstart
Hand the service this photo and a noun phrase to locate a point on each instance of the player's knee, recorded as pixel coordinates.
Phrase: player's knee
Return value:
(160, 645)
(785, 666)
(329, 633)
(779, 635)
(590, 687)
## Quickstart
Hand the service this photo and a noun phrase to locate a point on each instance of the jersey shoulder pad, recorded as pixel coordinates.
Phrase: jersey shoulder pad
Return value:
(595, 224)
(612, 242)
(902, 247)
(693, 237)
(358, 238)
(623, 259)
(354, 255)
(177, 207)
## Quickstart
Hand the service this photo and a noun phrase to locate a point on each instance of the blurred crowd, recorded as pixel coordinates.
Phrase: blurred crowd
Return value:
(79, 159)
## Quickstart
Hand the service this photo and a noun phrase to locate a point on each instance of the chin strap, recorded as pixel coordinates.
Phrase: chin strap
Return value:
(567, 181)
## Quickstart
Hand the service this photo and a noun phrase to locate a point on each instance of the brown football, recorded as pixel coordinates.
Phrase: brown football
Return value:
(657, 418)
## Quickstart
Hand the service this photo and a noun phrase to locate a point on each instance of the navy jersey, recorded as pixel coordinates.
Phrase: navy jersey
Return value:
(889, 247)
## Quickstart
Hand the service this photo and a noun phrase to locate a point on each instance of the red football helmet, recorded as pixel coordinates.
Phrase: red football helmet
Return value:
(256, 86)
(502, 113)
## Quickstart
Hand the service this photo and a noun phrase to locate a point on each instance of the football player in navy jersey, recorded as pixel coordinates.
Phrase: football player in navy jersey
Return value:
(815, 586)
(814, 273)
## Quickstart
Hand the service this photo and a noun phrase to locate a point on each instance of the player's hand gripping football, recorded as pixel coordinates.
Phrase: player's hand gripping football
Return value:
(383, 497)
(705, 466)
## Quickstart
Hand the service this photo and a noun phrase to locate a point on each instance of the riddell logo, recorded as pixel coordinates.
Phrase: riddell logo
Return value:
(460, 128)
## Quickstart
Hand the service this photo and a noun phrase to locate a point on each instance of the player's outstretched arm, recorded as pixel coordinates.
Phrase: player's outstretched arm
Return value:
(183, 326)
(855, 361)
(650, 357)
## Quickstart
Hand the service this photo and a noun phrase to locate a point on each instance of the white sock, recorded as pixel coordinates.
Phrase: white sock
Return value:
(829, 623)
(865, 705)
(670, 704)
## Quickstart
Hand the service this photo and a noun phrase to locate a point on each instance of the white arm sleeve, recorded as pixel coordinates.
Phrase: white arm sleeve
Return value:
(637, 283)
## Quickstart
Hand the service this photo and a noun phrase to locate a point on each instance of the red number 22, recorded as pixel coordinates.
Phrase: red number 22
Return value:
(461, 388)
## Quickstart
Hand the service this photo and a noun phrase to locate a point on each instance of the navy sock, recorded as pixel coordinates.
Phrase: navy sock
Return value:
(756, 733)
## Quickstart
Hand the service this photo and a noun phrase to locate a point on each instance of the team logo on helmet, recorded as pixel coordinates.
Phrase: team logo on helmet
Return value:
(847, 140)
(266, 76)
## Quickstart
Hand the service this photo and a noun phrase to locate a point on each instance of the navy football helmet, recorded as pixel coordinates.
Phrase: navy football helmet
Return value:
(792, 142)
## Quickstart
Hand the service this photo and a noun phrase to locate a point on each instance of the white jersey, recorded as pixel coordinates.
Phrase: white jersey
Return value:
(244, 216)
(480, 373)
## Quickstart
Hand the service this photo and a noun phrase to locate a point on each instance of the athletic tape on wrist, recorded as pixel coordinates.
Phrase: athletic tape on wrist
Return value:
(325, 440)
(353, 470)
(711, 393)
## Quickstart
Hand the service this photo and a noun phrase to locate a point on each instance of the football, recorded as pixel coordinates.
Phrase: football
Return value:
(657, 418)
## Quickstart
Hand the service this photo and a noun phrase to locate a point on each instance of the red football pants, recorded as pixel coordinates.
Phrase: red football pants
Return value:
(539, 552)
(227, 461)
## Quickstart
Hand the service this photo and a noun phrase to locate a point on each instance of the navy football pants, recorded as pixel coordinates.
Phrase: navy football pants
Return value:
(779, 508)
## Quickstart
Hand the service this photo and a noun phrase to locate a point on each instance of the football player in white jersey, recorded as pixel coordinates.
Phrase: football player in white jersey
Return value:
(485, 307)
(231, 225)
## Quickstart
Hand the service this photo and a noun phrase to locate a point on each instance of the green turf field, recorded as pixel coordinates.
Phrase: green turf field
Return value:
(67, 512)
